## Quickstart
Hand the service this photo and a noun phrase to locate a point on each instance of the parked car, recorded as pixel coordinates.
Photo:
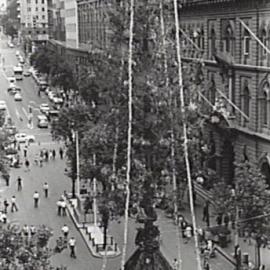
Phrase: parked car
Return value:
(23, 137)
(52, 115)
(18, 96)
(42, 121)
(42, 84)
(26, 73)
(3, 105)
(44, 107)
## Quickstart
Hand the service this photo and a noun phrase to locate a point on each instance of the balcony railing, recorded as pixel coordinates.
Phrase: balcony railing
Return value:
(204, 2)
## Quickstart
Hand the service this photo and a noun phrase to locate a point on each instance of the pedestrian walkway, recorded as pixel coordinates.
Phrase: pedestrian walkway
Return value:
(229, 250)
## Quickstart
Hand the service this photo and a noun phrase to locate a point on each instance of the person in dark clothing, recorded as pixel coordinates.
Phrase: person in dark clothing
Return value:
(19, 183)
(6, 204)
(27, 164)
(25, 152)
(219, 219)
(46, 155)
(61, 152)
(6, 177)
(226, 220)
(53, 154)
(206, 213)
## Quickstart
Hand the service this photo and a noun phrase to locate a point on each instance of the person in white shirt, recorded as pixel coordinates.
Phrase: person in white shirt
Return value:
(65, 231)
(36, 199)
(13, 204)
(72, 244)
(64, 208)
(46, 189)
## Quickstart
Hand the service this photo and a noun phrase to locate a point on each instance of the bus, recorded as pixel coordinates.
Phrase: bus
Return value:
(18, 73)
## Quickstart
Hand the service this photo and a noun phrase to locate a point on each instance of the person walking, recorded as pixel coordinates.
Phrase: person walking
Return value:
(72, 243)
(13, 204)
(175, 264)
(46, 155)
(53, 154)
(46, 189)
(64, 208)
(25, 151)
(27, 165)
(188, 233)
(36, 199)
(6, 204)
(61, 152)
(59, 207)
(65, 231)
(19, 183)
(206, 213)
(7, 178)
(32, 230)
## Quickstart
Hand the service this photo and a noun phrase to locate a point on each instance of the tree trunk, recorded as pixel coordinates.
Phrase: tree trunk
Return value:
(104, 237)
(185, 144)
(130, 101)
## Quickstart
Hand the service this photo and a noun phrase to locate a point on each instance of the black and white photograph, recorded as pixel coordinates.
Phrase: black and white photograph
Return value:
(134, 134)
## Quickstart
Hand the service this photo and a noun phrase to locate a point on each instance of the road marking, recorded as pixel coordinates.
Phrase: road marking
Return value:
(25, 112)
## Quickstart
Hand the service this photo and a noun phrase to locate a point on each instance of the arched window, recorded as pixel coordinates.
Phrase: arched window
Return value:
(264, 41)
(264, 104)
(212, 43)
(246, 43)
(228, 44)
(246, 101)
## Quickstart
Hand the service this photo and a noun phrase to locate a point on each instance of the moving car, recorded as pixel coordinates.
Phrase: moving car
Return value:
(23, 137)
(44, 107)
(42, 121)
(3, 105)
(18, 96)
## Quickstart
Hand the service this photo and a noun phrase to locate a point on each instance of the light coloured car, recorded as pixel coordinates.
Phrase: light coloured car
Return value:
(23, 137)
(42, 121)
(57, 100)
(3, 105)
(44, 107)
(51, 95)
(18, 96)
(26, 73)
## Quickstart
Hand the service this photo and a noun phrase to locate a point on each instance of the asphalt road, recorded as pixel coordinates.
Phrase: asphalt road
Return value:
(53, 173)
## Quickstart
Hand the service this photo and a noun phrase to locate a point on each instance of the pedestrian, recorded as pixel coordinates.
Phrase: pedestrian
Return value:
(175, 264)
(59, 207)
(72, 243)
(41, 161)
(25, 151)
(33, 230)
(64, 207)
(61, 152)
(7, 178)
(46, 189)
(6, 204)
(65, 231)
(226, 220)
(19, 183)
(27, 165)
(50, 154)
(219, 219)
(46, 154)
(183, 225)
(13, 204)
(53, 154)
(188, 233)
(4, 217)
(25, 230)
(36, 199)
(206, 213)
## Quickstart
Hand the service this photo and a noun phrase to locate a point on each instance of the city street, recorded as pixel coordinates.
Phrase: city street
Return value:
(53, 173)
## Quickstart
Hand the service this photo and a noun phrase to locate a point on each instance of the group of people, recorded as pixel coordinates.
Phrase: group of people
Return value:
(45, 155)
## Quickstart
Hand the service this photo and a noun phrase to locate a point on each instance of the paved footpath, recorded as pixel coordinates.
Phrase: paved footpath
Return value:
(53, 173)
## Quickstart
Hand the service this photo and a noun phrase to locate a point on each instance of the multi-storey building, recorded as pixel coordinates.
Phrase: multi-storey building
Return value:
(34, 19)
(231, 35)
(71, 23)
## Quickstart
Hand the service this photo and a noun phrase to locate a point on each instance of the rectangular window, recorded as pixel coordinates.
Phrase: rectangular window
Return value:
(246, 45)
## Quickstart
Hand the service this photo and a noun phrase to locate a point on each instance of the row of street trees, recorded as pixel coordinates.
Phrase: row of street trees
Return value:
(157, 124)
